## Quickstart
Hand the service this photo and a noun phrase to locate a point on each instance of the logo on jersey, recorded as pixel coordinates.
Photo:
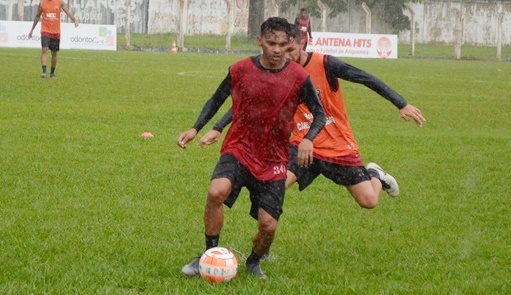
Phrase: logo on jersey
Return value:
(51, 15)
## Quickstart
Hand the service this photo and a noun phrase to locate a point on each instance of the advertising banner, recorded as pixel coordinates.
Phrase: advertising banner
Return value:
(85, 36)
(354, 45)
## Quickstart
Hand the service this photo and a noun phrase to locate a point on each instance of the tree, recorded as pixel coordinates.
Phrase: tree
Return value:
(255, 18)
(390, 10)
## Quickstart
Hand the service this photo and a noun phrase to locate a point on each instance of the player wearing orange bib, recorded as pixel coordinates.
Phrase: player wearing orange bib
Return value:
(50, 30)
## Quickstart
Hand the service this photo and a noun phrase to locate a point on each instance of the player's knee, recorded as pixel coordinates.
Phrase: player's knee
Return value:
(367, 202)
(217, 194)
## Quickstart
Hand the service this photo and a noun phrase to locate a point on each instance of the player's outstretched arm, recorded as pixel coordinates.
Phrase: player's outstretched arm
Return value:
(186, 137)
(409, 111)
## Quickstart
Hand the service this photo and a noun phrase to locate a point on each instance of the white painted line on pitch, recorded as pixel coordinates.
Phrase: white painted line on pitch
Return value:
(203, 74)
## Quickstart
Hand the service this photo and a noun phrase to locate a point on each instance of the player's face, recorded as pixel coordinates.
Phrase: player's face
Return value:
(274, 45)
(294, 50)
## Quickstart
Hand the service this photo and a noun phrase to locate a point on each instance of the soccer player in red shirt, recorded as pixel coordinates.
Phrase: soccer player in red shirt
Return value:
(50, 30)
(303, 22)
(266, 91)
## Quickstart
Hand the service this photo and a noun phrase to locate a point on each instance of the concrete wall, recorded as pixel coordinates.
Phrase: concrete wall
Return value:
(436, 21)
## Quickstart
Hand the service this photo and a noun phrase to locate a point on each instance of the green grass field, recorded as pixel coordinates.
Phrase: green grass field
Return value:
(88, 206)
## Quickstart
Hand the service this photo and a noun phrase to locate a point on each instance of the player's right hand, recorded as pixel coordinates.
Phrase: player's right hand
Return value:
(185, 137)
(210, 137)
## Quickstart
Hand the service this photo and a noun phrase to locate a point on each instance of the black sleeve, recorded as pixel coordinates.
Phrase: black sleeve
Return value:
(309, 96)
(214, 103)
(224, 121)
(339, 69)
(296, 21)
(309, 29)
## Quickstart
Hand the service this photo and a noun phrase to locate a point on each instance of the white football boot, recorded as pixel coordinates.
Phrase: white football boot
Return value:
(388, 182)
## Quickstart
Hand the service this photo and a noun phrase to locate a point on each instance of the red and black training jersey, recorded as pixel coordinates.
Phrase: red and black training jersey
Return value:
(263, 104)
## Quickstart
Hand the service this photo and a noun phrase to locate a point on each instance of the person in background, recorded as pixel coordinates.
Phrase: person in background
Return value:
(50, 31)
(303, 22)
(266, 91)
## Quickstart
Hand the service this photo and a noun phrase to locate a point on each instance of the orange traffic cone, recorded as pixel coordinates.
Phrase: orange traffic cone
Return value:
(174, 47)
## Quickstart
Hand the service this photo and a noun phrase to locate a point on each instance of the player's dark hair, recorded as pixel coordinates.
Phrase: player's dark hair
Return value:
(273, 24)
(295, 33)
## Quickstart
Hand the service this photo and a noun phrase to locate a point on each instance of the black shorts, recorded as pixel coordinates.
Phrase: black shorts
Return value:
(340, 174)
(51, 43)
(267, 195)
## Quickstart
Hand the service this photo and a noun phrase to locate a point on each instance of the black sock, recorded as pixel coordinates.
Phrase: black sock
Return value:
(254, 258)
(212, 241)
(44, 69)
(52, 70)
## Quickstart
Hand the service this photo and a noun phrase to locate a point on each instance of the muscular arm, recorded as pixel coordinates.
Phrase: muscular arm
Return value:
(338, 69)
(214, 103)
(309, 96)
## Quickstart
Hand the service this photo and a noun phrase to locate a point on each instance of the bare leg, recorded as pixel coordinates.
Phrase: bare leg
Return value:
(290, 179)
(44, 56)
(219, 190)
(54, 59)
(266, 233)
(367, 193)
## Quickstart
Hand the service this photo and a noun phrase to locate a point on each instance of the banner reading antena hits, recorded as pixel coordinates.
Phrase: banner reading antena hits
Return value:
(85, 36)
(354, 45)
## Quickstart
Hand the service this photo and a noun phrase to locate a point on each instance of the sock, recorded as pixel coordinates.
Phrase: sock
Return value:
(52, 70)
(44, 69)
(212, 241)
(373, 173)
(253, 258)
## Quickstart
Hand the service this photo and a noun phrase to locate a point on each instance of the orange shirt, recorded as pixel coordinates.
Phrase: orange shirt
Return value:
(50, 23)
(336, 142)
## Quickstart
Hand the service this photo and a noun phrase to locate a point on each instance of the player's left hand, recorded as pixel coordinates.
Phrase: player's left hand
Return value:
(409, 111)
(210, 137)
(305, 153)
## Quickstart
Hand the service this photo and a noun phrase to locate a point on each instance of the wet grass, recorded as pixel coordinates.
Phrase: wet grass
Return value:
(88, 206)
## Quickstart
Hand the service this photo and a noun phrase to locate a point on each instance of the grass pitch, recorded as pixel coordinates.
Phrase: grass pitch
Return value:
(88, 206)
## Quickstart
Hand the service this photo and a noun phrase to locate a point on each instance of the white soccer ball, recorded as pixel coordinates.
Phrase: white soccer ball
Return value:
(218, 265)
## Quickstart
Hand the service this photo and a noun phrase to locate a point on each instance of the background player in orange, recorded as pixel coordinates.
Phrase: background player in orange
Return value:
(303, 22)
(50, 30)
(336, 152)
